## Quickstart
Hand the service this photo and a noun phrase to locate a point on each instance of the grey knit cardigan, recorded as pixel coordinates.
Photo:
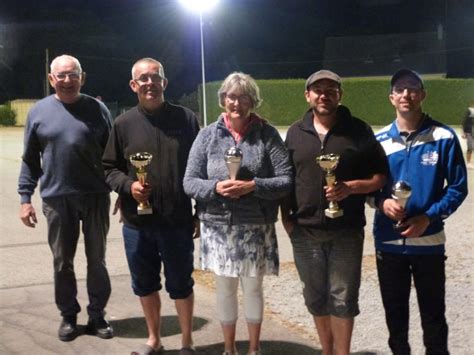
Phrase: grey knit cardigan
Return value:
(265, 160)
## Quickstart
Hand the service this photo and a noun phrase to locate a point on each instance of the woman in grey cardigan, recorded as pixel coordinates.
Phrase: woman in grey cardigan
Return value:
(238, 215)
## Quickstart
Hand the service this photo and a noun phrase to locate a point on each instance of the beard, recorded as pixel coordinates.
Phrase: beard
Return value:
(327, 110)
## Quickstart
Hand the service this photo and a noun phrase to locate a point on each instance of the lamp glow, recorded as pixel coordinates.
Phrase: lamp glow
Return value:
(200, 6)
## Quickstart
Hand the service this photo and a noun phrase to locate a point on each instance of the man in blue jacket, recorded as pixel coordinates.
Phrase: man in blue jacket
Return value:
(427, 155)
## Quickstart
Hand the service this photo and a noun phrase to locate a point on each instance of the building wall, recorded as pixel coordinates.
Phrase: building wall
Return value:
(21, 107)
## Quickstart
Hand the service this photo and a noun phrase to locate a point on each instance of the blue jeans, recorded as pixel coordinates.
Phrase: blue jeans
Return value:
(148, 247)
(395, 272)
(329, 265)
(65, 215)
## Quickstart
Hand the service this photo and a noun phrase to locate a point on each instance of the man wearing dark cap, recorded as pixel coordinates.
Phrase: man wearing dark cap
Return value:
(427, 156)
(328, 251)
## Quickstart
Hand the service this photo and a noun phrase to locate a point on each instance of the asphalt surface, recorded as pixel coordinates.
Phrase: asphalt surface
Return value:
(29, 319)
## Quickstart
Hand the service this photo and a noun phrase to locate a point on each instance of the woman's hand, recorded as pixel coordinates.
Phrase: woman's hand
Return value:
(234, 188)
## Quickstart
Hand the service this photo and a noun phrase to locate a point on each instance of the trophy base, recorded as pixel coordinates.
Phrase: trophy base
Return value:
(333, 213)
(147, 210)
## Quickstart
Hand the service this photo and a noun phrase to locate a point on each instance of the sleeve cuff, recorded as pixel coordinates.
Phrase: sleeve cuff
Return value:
(25, 199)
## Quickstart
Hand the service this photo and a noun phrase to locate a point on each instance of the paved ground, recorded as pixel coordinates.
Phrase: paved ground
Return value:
(29, 318)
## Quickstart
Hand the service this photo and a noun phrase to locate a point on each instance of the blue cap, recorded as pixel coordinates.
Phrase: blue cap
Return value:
(406, 72)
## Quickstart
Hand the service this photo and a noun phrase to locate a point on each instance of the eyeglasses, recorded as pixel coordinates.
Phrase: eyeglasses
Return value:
(242, 98)
(325, 92)
(73, 76)
(411, 90)
(145, 78)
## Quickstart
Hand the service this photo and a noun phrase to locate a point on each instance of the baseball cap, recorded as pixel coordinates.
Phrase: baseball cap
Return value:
(406, 72)
(322, 74)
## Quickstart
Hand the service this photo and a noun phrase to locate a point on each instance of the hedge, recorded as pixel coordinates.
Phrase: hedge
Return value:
(7, 115)
(367, 98)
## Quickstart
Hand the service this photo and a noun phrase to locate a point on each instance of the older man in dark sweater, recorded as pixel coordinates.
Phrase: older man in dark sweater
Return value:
(65, 136)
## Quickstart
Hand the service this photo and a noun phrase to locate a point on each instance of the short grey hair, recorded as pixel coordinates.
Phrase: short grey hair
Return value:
(148, 60)
(243, 82)
(56, 60)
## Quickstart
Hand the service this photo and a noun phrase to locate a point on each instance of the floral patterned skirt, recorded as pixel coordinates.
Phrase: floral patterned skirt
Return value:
(248, 250)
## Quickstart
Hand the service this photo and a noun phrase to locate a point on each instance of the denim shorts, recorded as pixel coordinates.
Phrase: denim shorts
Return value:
(329, 266)
(148, 247)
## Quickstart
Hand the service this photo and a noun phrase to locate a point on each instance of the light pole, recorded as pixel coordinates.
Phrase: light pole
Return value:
(201, 6)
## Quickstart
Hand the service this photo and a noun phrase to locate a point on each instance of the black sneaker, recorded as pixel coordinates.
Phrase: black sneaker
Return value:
(68, 328)
(100, 327)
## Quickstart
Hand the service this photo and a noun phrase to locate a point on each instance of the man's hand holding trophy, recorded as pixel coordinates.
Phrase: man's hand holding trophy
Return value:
(401, 192)
(328, 163)
(141, 161)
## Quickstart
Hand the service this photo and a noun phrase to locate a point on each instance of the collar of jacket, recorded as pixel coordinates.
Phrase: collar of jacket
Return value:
(221, 125)
(426, 123)
(342, 115)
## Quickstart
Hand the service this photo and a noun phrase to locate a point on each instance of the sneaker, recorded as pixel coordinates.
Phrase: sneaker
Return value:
(68, 329)
(100, 327)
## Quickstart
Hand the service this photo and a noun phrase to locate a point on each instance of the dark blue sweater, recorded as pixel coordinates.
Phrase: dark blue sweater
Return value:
(63, 148)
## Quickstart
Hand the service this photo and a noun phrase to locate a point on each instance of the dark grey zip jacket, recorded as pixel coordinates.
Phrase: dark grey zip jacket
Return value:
(361, 157)
(168, 136)
(265, 160)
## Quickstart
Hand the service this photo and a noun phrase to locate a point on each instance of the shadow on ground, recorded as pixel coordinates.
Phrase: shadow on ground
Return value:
(136, 327)
(268, 347)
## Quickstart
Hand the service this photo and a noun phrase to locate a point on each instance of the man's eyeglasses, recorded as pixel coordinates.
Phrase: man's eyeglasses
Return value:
(411, 90)
(242, 98)
(145, 78)
(325, 92)
(73, 76)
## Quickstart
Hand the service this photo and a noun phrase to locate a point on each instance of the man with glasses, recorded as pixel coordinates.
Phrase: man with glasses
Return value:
(65, 136)
(165, 236)
(328, 251)
(426, 155)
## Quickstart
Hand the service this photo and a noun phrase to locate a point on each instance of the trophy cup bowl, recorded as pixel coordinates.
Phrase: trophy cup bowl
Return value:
(401, 192)
(140, 161)
(328, 163)
(233, 159)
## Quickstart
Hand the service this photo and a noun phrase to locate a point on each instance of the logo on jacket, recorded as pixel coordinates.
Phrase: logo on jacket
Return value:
(429, 158)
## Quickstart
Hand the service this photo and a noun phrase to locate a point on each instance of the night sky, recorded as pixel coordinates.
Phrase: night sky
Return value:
(265, 38)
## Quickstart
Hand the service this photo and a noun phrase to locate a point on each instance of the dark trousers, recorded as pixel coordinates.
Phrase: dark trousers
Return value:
(395, 272)
(64, 215)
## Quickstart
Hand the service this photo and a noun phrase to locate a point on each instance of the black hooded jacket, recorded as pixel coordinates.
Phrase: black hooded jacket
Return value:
(361, 156)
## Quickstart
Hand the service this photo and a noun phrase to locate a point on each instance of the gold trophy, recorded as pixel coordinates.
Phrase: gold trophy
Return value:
(233, 159)
(140, 161)
(328, 163)
(401, 192)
